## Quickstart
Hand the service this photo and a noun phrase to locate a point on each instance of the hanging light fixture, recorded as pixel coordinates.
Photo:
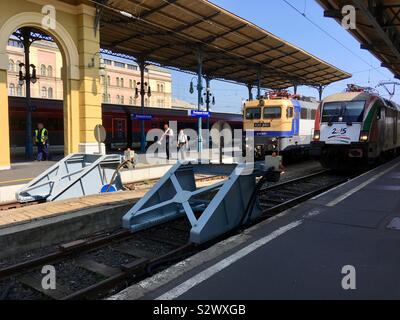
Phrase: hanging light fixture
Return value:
(191, 90)
(21, 78)
(33, 77)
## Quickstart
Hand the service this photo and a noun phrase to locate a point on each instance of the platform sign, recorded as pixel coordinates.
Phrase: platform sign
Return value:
(143, 117)
(100, 133)
(199, 114)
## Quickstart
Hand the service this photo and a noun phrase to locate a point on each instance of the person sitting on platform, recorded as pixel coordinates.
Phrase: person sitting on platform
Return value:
(130, 158)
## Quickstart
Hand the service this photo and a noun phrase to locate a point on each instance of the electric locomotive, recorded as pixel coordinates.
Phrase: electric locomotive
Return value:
(281, 123)
(355, 129)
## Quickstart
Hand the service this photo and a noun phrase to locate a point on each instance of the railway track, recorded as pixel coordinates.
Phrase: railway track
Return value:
(94, 268)
(282, 196)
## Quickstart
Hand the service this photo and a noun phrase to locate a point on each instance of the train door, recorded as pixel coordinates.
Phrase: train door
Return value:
(119, 133)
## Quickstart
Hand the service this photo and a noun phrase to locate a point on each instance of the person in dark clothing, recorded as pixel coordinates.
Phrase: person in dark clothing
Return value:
(168, 134)
(41, 140)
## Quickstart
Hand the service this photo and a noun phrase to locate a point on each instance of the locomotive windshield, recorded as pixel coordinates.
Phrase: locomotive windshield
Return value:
(272, 112)
(253, 113)
(346, 111)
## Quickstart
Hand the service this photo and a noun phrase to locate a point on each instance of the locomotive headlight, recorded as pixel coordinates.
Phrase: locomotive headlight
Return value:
(317, 135)
(364, 136)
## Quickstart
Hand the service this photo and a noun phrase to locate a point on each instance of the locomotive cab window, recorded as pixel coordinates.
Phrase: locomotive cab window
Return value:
(253, 113)
(313, 114)
(350, 111)
(272, 112)
(289, 112)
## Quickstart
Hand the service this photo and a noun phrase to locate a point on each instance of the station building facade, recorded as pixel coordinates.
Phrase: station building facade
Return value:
(77, 37)
(118, 81)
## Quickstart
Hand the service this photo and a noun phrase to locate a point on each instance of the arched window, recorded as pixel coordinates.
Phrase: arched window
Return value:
(50, 71)
(158, 87)
(131, 100)
(122, 82)
(117, 98)
(104, 97)
(11, 89)
(43, 70)
(108, 80)
(146, 102)
(117, 81)
(50, 93)
(162, 88)
(122, 100)
(44, 92)
(131, 83)
(11, 65)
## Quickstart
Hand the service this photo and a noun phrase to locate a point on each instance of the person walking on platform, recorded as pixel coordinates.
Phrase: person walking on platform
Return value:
(182, 144)
(168, 134)
(41, 140)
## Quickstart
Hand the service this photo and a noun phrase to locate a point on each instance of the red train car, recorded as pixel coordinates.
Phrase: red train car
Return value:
(121, 129)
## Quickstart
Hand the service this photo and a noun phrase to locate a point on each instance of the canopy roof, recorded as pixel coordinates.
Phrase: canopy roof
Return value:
(378, 27)
(170, 33)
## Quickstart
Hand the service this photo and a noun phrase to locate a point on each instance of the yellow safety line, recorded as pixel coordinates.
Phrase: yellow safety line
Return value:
(18, 180)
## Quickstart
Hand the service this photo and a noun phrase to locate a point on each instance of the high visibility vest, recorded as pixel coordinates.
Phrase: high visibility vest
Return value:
(43, 137)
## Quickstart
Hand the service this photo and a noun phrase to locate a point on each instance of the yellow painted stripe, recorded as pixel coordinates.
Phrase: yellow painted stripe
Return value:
(17, 180)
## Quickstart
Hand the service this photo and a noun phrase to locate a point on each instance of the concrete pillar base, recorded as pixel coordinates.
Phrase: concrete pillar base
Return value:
(92, 148)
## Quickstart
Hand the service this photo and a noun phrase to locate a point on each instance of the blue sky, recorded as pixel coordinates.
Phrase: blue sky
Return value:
(280, 19)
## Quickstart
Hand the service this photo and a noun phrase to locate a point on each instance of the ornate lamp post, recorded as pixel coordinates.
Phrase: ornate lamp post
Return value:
(27, 78)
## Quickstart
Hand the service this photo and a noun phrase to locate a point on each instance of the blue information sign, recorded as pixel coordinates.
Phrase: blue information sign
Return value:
(200, 114)
(145, 117)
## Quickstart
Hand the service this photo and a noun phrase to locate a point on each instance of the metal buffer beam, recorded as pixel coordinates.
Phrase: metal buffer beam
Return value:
(211, 211)
(74, 176)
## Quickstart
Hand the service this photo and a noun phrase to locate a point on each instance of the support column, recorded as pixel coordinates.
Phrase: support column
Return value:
(320, 92)
(28, 128)
(250, 88)
(208, 100)
(199, 96)
(89, 92)
(5, 162)
(295, 89)
(259, 83)
(71, 114)
(142, 67)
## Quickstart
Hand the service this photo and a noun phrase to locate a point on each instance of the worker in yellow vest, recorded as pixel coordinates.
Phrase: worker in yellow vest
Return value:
(41, 140)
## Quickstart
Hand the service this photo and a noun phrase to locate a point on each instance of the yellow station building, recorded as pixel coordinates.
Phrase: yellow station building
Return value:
(73, 31)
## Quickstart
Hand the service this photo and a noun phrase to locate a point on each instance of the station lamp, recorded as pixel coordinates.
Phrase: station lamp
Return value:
(31, 76)
(146, 85)
(191, 89)
(207, 94)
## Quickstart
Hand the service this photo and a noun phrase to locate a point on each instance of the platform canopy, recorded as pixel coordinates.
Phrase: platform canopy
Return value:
(170, 33)
(377, 27)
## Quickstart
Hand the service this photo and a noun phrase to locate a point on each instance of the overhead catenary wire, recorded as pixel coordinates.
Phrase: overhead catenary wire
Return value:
(333, 38)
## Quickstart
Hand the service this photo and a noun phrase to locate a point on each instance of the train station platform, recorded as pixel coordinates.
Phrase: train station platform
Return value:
(308, 252)
(23, 172)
